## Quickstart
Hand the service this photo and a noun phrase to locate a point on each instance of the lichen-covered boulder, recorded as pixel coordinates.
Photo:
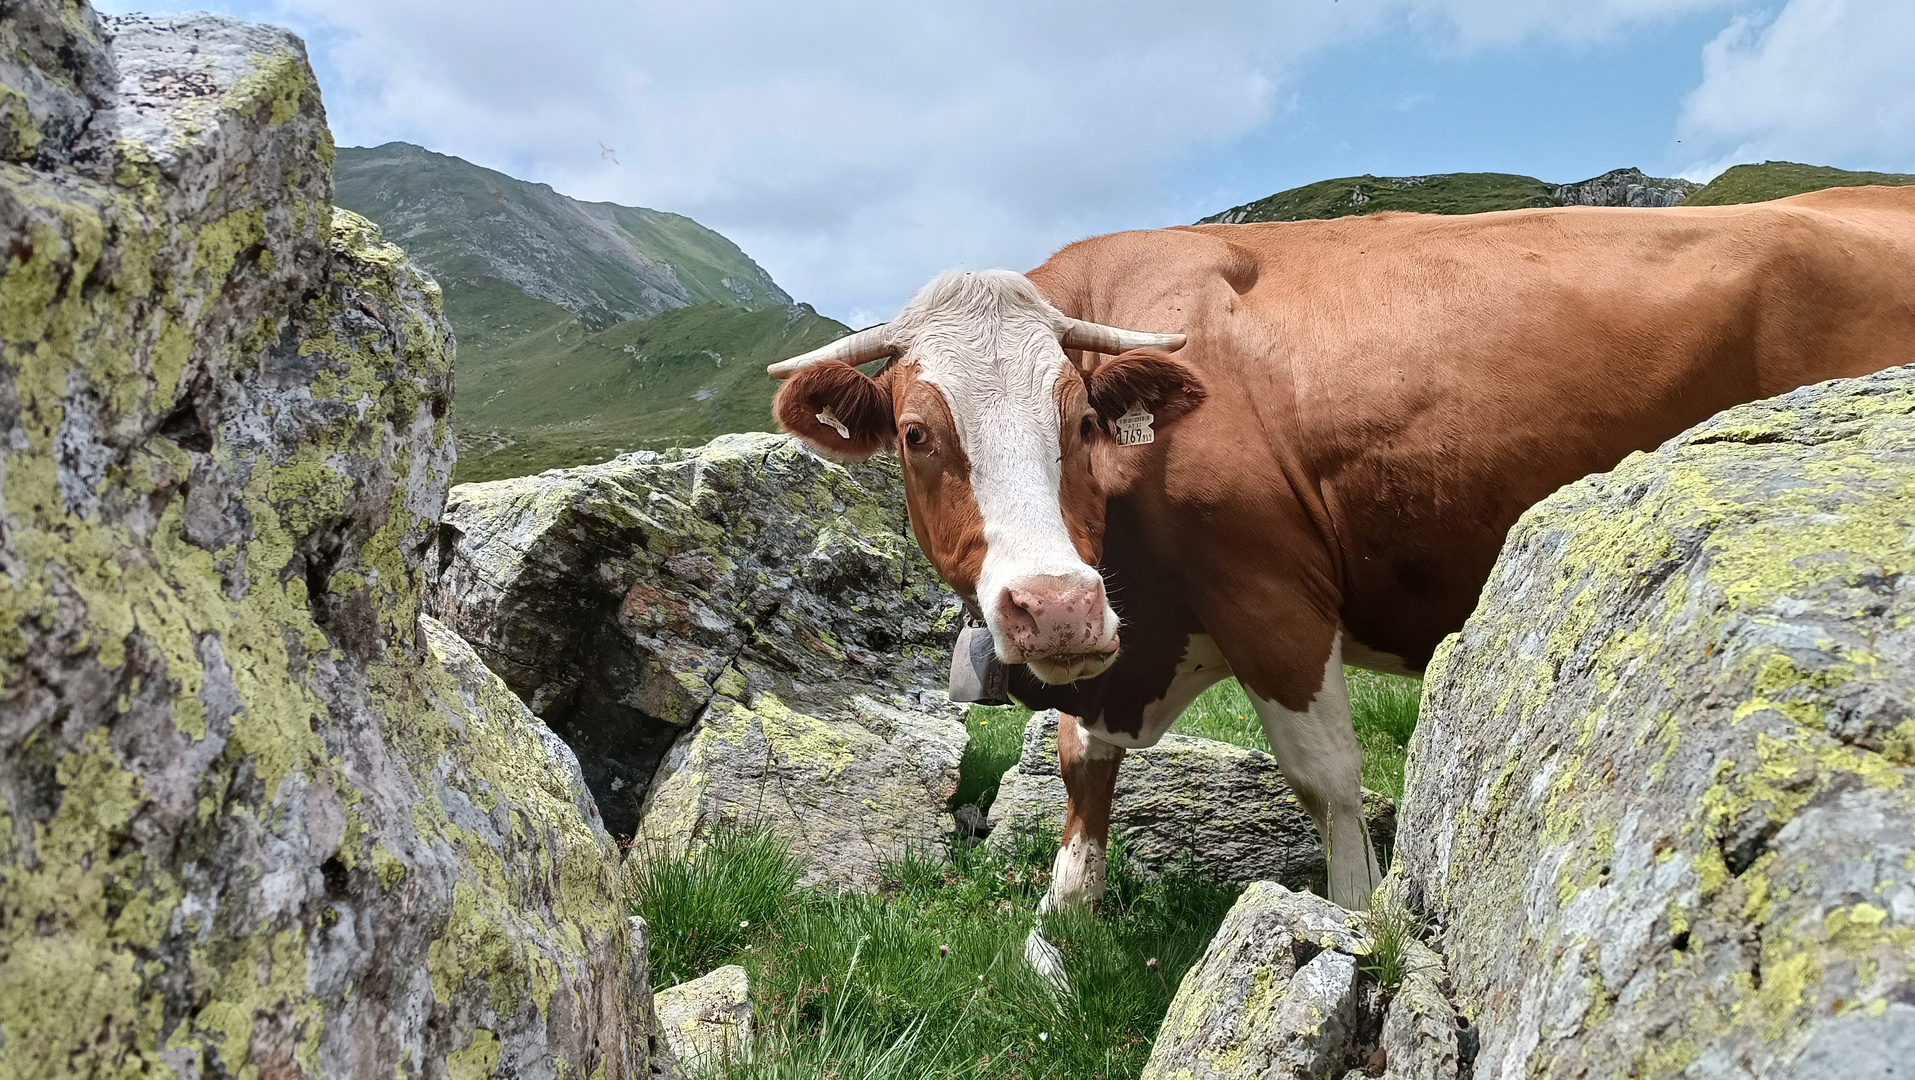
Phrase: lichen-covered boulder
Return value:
(740, 580)
(708, 1021)
(850, 792)
(1663, 790)
(256, 819)
(1287, 990)
(1275, 994)
(1226, 809)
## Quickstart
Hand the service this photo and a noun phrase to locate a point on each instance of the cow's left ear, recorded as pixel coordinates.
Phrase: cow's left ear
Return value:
(842, 412)
(1166, 387)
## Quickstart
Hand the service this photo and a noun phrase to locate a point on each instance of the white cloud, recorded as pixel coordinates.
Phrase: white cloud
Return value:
(856, 147)
(1824, 81)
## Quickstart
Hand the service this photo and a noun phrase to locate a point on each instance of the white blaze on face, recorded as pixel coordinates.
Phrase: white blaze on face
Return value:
(989, 342)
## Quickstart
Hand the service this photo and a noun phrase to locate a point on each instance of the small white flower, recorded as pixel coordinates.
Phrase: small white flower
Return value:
(742, 923)
(1043, 1036)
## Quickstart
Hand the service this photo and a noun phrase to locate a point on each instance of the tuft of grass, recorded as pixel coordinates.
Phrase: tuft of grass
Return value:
(1382, 707)
(997, 738)
(927, 979)
(705, 905)
(1391, 928)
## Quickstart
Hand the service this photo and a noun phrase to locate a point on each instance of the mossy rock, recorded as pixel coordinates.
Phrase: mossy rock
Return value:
(254, 818)
(1662, 794)
(626, 601)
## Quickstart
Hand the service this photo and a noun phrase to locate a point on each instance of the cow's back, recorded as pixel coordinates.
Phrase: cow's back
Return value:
(1414, 382)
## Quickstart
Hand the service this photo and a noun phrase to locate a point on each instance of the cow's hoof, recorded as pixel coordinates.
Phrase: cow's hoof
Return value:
(1044, 959)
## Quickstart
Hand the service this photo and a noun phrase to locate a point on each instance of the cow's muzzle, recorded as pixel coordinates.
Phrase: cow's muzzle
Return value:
(1061, 626)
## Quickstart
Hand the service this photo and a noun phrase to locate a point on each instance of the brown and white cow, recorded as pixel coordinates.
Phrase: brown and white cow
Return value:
(1355, 413)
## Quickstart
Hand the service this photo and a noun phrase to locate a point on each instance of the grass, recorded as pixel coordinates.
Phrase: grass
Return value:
(702, 907)
(927, 978)
(1390, 927)
(1779, 179)
(1442, 193)
(997, 738)
(1382, 708)
(568, 396)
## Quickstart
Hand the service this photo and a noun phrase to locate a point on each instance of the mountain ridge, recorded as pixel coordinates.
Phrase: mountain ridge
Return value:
(602, 261)
(1453, 193)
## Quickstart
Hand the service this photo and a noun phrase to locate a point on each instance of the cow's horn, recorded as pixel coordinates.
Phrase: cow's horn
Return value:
(866, 345)
(1096, 337)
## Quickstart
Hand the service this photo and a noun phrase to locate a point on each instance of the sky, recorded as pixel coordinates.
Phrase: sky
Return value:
(855, 148)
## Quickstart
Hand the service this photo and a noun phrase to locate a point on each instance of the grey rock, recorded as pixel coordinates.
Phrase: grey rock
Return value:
(971, 822)
(629, 601)
(850, 792)
(648, 1051)
(1419, 1028)
(1223, 808)
(1626, 187)
(708, 1021)
(1661, 794)
(256, 816)
(55, 71)
(1275, 994)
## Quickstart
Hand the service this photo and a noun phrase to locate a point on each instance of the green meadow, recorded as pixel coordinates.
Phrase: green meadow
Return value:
(927, 979)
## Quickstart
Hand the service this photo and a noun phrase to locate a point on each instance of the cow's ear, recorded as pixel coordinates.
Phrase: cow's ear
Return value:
(1166, 387)
(841, 411)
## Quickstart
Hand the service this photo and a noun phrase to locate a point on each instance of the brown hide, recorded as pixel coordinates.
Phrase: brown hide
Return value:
(1385, 395)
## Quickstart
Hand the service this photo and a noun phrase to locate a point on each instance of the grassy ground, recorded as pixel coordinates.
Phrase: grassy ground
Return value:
(567, 396)
(927, 979)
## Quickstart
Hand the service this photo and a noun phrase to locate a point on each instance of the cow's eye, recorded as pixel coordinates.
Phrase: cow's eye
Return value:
(1086, 428)
(915, 437)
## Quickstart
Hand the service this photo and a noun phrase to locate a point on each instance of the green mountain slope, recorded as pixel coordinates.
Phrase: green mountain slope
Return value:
(1780, 179)
(1454, 193)
(485, 235)
(568, 397)
(584, 328)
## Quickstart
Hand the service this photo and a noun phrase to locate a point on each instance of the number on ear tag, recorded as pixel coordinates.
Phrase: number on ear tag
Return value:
(1133, 428)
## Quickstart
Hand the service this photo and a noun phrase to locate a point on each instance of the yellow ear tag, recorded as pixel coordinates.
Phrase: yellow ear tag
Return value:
(827, 418)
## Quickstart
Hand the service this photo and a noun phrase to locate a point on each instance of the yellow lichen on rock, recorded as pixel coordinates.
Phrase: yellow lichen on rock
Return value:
(246, 801)
(1709, 812)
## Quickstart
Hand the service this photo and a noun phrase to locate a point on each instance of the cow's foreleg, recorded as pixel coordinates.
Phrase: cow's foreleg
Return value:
(1319, 755)
(1089, 767)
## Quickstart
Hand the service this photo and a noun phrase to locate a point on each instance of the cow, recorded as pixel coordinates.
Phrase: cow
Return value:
(1166, 457)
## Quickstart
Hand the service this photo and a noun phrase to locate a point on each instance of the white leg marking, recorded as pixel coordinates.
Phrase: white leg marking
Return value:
(1319, 755)
(1077, 876)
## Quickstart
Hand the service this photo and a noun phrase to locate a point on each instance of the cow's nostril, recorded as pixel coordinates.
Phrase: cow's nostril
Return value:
(1017, 615)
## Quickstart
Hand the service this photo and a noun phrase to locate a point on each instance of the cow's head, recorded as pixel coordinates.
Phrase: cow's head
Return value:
(995, 429)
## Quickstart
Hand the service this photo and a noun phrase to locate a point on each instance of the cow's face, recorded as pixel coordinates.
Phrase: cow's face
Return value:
(995, 429)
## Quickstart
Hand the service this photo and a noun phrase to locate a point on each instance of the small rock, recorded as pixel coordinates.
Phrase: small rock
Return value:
(1419, 1030)
(708, 1020)
(971, 822)
(1274, 995)
(1225, 808)
(850, 793)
